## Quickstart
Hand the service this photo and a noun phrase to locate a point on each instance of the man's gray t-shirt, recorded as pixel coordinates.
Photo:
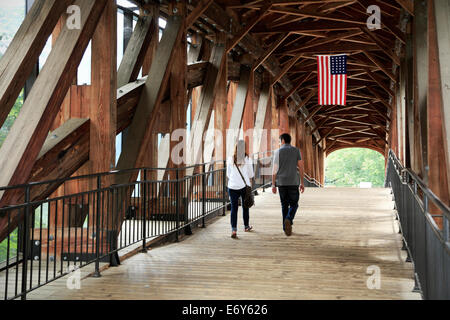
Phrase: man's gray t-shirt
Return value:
(286, 157)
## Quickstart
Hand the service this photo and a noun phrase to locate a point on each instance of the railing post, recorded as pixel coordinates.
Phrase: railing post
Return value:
(144, 212)
(25, 236)
(224, 187)
(446, 230)
(177, 201)
(97, 231)
(263, 177)
(203, 195)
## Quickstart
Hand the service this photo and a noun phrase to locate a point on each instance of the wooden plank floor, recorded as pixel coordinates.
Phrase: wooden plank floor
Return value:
(337, 234)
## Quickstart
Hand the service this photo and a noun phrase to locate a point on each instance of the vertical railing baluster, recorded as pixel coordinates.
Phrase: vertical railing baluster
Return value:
(97, 231)
(224, 187)
(144, 211)
(25, 236)
(203, 195)
(177, 203)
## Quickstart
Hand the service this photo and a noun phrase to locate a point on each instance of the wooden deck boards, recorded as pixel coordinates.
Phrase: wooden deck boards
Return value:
(337, 235)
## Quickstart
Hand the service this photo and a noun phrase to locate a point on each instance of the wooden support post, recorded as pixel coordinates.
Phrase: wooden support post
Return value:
(103, 103)
(284, 116)
(275, 132)
(442, 9)
(151, 160)
(205, 105)
(260, 132)
(178, 99)
(220, 114)
(321, 160)
(267, 141)
(140, 131)
(437, 174)
(420, 32)
(293, 131)
(238, 110)
(308, 156)
(393, 128)
(301, 138)
(401, 121)
(248, 117)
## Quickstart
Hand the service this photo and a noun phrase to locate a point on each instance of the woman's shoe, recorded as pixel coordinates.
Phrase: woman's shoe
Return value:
(247, 229)
(234, 234)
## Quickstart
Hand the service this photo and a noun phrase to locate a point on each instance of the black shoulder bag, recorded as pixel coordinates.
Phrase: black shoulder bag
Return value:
(249, 198)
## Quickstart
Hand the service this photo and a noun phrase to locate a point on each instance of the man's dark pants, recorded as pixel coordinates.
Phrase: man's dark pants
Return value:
(289, 196)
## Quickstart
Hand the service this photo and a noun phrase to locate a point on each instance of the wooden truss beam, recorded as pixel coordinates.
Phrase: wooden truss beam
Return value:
(263, 106)
(25, 140)
(270, 50)
(205, 106)
(133, 153)
(408, 5)
(311, 94)
(201, 7)
(285, 69)
(135, 52)
(242, 95)
(24, 50)
(222, 20)
(238, 37)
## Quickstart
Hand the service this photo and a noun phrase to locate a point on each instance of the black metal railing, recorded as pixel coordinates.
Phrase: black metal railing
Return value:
(426, 242)
(48, 239)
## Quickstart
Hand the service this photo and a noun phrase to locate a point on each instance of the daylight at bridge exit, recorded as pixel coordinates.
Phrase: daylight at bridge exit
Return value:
(211, 150)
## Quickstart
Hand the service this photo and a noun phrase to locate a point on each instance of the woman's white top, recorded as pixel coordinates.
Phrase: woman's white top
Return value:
(235, 181)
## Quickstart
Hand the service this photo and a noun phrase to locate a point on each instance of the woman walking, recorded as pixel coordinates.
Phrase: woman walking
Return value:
(239, 173)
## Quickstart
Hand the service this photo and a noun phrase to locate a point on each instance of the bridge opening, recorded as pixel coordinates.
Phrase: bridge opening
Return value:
(355, 167)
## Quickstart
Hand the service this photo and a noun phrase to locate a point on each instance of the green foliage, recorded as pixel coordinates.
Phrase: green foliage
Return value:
(4, 130)
(12, 247)
(41, 210)
(349, 167)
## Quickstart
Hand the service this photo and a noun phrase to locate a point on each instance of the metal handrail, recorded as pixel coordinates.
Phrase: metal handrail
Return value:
(427, 245)
(429, 193)
(312, 180)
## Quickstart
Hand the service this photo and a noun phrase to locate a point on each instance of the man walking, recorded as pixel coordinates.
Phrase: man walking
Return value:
(286, 177)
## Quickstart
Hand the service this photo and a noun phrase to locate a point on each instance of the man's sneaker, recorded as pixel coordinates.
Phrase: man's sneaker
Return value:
(287, 227)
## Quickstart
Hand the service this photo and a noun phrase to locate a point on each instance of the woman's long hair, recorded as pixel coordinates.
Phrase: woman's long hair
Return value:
(239, 153)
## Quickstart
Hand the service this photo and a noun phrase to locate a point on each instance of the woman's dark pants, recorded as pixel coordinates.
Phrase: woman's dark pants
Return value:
(234, 198)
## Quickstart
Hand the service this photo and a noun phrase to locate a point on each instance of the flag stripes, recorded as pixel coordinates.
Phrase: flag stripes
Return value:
(332, 85)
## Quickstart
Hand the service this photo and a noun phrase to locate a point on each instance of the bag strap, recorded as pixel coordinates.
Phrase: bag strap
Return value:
(240, 173)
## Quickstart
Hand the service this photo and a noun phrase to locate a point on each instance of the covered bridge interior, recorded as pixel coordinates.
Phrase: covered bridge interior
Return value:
(189, 78)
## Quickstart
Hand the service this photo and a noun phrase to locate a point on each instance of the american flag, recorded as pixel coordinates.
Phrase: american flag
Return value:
(332, 74)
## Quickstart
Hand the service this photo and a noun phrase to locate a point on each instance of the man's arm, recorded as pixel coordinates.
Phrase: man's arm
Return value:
(301, 168)
(274, 176)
